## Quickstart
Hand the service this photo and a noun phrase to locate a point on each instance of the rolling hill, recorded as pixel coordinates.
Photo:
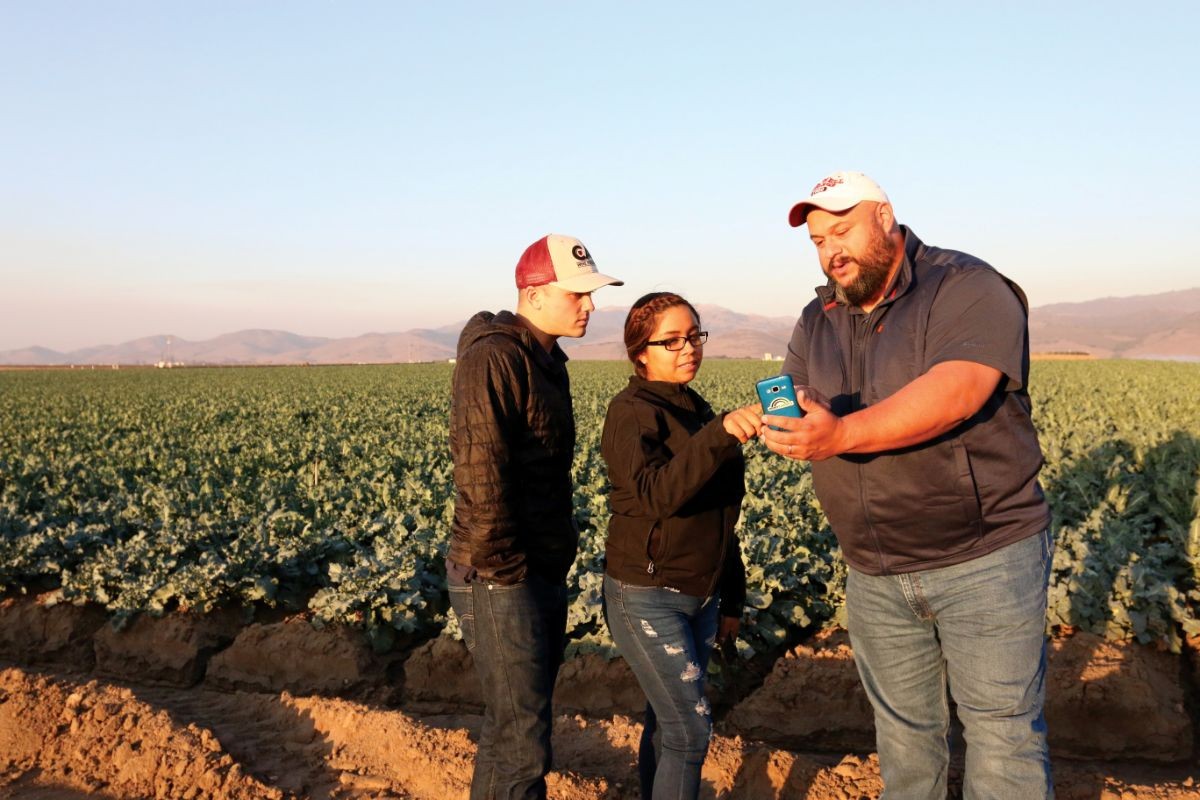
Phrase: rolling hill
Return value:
(1159, 326)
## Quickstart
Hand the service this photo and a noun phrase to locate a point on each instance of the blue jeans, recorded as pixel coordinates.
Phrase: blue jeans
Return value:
(980, 628)
(666, 638)
(516, 635)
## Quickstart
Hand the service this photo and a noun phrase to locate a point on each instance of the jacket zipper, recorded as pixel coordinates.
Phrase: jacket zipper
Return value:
(860, 358)
(650, 556)
(858, 388)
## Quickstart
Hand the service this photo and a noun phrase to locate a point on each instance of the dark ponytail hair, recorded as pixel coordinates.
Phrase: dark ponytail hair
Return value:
(642, 319)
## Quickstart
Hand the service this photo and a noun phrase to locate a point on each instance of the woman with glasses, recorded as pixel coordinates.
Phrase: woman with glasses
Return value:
(674, 580)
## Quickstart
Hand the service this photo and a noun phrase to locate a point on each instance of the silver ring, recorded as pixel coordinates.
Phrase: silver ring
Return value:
(789, 449)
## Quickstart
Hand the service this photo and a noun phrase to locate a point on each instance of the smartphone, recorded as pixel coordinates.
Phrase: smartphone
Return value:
(778, 396)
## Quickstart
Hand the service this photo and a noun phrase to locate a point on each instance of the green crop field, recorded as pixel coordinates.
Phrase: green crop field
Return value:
(329, 490)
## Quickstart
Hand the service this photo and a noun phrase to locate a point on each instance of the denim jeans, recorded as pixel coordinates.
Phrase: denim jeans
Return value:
(666, 638)
(978, 627)
(516, 636)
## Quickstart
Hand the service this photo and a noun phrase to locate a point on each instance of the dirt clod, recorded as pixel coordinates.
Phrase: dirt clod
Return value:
(1115, 700)
(294, 656)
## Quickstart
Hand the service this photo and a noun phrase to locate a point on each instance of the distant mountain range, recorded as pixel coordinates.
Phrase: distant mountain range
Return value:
(1160, 326)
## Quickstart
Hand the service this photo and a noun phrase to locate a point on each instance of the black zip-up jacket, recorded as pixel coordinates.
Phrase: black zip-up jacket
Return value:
(958, 496)
(678, 478)
(512, 439)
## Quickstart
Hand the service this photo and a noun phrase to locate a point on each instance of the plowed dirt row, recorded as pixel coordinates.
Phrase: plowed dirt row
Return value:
(64, 737)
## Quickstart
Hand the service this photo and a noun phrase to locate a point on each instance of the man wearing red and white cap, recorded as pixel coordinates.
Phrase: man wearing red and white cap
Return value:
(514, 537)
(912, 367)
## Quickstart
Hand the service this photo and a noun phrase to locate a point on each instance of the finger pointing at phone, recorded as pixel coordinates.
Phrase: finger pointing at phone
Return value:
(743, 423)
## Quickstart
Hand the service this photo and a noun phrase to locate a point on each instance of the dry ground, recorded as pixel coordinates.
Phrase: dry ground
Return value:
(67, 736)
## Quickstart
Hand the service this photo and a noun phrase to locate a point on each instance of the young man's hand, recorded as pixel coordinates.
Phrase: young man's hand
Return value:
(728, 628)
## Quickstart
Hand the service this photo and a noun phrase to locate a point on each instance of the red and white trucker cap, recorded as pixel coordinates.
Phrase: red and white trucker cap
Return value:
(837, 192)
(561, 261)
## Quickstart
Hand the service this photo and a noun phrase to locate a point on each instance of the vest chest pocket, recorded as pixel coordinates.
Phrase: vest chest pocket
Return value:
(891, 361)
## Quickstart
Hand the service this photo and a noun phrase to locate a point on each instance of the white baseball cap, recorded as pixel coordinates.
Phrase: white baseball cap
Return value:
(561, 261)
(837, 192)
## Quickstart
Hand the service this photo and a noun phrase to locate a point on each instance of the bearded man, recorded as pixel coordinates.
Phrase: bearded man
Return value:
(912, 367)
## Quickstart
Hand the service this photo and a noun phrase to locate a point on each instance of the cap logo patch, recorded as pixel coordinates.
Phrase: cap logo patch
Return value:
(827, 183)
(583, 258)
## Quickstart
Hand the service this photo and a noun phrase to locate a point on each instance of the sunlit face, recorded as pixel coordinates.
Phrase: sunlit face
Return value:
(563, 313)
(678, 366)
(855, 250)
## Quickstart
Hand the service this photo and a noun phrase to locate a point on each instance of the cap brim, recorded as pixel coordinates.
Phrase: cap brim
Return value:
(799, 212)
(588, 282)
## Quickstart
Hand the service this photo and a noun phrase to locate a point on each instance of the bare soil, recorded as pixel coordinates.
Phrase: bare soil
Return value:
(189, 708)
(64, 737)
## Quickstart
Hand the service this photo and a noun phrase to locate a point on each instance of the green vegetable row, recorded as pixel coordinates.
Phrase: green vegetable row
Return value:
(329, 489)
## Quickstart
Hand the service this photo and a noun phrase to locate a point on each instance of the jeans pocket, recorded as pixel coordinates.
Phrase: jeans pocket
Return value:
(464, 609)
(508, 588)
(467, 624)
(644, 591)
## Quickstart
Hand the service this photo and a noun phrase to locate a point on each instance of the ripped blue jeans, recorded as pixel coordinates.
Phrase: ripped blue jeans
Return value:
(666, 637)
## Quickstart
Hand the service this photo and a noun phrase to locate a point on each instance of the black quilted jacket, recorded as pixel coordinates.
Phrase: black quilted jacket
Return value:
(512, 438)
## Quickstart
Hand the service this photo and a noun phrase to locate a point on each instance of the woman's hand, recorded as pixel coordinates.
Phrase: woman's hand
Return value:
(743, 423)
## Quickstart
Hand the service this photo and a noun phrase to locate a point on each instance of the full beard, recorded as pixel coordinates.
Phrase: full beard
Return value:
(873, 268)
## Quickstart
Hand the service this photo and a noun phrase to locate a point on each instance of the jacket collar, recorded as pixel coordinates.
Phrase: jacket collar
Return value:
(675, 393)
(485, 323)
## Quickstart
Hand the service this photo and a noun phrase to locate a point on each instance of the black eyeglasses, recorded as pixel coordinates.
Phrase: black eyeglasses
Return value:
(676, 342)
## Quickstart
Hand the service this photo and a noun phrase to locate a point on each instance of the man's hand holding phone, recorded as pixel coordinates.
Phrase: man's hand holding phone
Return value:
(814, 437)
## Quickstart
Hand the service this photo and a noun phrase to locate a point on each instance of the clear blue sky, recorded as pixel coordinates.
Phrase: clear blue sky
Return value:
(338, 168)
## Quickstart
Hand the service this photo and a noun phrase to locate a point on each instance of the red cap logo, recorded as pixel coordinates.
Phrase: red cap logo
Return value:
(827, 183)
